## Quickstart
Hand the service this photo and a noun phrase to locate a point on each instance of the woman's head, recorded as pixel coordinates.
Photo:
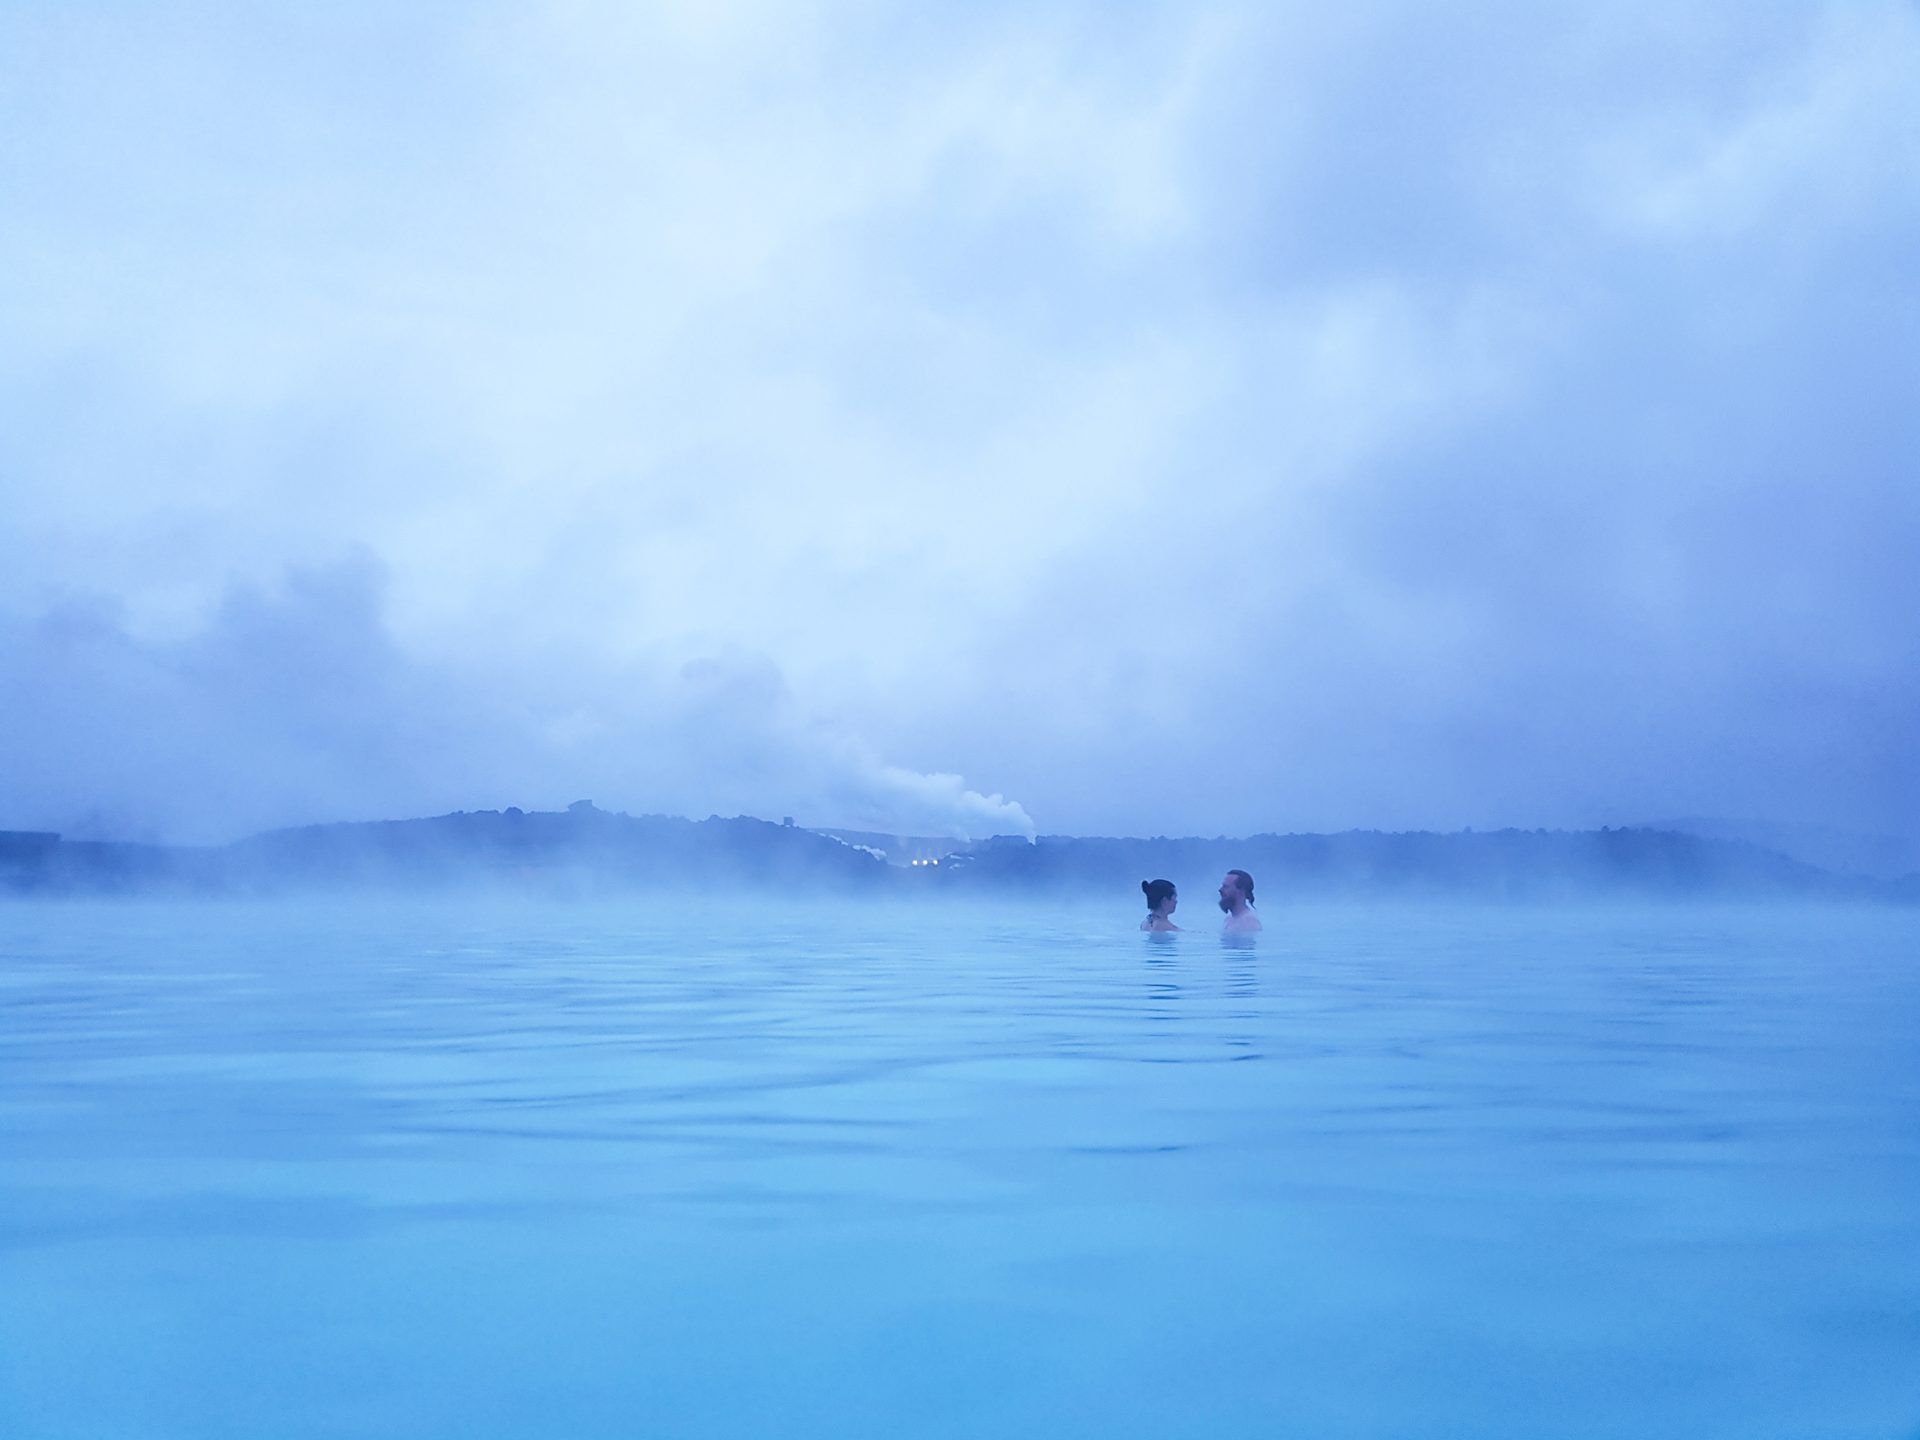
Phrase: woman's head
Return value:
(1161, 896)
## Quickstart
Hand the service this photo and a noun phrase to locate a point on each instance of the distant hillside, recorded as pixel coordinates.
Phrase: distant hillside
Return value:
(1500, 864)
(581, 848)
(587, 850)
(1845, 852)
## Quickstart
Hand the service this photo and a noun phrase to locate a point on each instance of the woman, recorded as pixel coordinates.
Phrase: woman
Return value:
(1162, 899)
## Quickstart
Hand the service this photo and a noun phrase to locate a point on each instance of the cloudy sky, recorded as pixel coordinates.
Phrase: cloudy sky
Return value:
(1111, 419)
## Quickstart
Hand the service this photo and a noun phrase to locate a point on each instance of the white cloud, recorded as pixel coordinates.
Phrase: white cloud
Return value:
(1204, 418)
(294, 704)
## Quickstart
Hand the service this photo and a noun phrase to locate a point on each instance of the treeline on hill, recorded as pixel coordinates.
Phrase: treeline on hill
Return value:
(588, 850)
(1498, 864)
(580, 849)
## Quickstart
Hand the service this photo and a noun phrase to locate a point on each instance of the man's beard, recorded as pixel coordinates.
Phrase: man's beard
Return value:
(1226, 906)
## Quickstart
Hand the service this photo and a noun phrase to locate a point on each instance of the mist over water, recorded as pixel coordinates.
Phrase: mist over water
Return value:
(690, 1168)
(1465, 453)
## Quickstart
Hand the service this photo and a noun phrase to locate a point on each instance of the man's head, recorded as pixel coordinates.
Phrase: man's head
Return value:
(1236, 891)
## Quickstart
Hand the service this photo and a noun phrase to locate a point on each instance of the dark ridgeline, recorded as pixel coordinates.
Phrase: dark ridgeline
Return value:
(38, 861)
(1494, 865)
(581, 846)
(581, 849)
(587, 850)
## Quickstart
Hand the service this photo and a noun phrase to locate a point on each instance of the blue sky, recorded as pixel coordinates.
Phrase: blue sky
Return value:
(1196, 418)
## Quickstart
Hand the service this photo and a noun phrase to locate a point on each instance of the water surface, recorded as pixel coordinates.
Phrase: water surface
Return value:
(475, 1170)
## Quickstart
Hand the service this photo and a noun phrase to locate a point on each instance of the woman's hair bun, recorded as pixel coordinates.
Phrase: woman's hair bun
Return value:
(1145, 885)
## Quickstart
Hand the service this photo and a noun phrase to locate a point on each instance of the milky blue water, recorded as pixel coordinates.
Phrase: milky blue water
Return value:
(638, 1170)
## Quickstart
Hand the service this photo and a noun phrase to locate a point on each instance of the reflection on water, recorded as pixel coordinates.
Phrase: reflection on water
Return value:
(570, 1171)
